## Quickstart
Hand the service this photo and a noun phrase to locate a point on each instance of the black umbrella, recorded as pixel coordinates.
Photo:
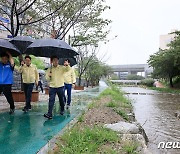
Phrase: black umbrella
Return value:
(51, 47)
(22, 42)
(5, 45)
(71, 60)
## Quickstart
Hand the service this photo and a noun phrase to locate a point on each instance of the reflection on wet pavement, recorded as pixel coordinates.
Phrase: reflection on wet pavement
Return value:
(26, 133)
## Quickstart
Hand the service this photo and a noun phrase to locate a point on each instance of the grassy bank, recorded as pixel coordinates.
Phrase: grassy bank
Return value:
(166, 90)
(89, 136)
(119, 103)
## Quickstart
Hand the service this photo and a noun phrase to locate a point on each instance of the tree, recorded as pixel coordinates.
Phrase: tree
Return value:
(87, 33)
(166, 63)
(74, 14)
(23, 13)
(84, 59)
(36, 61)
(96, 71)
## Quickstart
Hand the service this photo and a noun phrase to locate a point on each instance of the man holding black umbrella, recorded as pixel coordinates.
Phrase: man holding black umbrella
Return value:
(6, 78)
(55, 76)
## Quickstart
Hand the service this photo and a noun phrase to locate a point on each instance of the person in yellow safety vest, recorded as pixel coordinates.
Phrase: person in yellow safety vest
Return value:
(30, 76)
(69, 83)
(55, 76)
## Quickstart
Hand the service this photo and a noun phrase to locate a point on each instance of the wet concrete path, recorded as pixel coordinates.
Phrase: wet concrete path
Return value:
(27, 133)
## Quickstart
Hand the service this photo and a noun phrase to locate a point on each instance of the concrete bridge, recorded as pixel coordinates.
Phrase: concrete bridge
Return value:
(135, 82)
(124, 70)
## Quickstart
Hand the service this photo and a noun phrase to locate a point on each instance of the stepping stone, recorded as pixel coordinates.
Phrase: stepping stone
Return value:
(124, 127)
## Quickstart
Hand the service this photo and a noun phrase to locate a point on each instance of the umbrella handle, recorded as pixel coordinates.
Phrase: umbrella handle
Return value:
(50, 70)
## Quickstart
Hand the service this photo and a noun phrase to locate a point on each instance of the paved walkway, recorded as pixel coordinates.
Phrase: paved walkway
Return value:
(31, 130)
(4, 106)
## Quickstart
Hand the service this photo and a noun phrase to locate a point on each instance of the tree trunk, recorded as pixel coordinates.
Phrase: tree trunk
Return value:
(20, 60)
(171, 82)
(79, 82)
(87, 83)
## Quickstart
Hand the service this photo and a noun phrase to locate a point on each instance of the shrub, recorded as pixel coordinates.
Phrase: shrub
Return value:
(147, 82)
(134, 77)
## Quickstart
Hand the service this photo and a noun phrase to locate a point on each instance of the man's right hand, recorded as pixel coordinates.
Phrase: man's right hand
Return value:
(22, 63)
(50, 74)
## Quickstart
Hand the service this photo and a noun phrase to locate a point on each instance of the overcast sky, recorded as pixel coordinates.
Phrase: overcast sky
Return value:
(138, 25)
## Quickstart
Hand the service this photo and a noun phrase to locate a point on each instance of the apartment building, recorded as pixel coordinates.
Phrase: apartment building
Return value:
(165, 39)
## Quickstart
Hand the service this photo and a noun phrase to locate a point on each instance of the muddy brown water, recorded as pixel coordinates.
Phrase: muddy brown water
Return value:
(156, 112)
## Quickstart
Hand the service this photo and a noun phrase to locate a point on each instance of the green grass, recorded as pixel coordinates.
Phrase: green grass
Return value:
(167, 90)
(107, 150)
(112, 104)
(130, 147)
(117, 96)
(122, 114)
(82, 139)
(119, 102)
(86, 140)
(92, 105)
(81, 117)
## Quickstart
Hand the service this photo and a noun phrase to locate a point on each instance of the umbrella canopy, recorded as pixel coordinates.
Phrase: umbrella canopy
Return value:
(41, 71)
(5, 45)
(71, 60)
(22, 42)
(50, 47)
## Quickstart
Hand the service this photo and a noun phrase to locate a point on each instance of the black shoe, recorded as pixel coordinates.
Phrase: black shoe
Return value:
(62, 112)
(29, 108)
(25, 109)
(46, 115)
(67, 107)
(11, 111)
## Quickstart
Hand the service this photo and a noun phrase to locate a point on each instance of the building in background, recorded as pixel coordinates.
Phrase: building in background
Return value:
(164, 40)
(3, 31)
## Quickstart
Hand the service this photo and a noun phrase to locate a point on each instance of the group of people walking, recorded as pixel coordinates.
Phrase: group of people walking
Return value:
(60, 78)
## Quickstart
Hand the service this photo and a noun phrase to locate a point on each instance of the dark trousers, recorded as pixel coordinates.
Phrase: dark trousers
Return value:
(39, 85)
(52, 94)
(28, 88)
(6, 89)
(67, 87)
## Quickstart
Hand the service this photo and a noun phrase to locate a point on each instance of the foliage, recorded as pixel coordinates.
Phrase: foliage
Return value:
(119, 102)
(114, 77)
(95, 71)
(166, 90)
(84, 17)
(130, 147)
(147, 82)
(26, 14)
(116, 94)
(86, 140)
(176, 82)
(81, 117)
(36, 61)
(122, 114)
(166, 63)
(134, 77)
(55, 18)
(16, 61)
